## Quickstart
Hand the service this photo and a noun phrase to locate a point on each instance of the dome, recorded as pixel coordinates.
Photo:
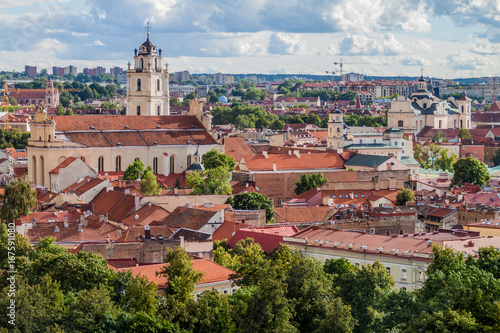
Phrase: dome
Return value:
(147, 47)
(195, 167)
(223, 99)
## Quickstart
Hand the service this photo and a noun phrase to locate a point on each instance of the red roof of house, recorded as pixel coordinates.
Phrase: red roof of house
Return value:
(227, 230)
(485, 198)
(64, 164)
(146, 215)
(268, 242)
(326, 160)
(212, 272)
(301, 214)
(236, 147)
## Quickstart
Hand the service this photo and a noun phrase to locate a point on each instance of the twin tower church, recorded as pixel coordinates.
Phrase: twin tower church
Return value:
(64, 149)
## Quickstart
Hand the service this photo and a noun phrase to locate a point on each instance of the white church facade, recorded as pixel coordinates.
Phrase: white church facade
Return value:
(424, 109)
(110, 143)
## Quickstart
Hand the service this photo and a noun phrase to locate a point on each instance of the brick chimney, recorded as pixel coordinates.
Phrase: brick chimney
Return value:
(147, 232)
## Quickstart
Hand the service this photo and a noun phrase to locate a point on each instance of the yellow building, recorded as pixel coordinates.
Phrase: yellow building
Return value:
(485, 228)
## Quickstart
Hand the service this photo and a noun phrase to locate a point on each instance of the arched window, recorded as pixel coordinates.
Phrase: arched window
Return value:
(400, 123)
(141, 63)
(100, 164)
(172, 164)
(462, 109)
(118, 163)
(338, 129)
(138, 110)
(155, 165)
(461, 124)
(189, 161)
(42, 171)
(82, 158)
(138, 84)
(425, 105)
(156, 65)
(158, 109)
(33, 170)
(158, 84)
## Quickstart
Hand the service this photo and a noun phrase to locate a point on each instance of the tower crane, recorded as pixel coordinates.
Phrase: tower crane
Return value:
(342, 63)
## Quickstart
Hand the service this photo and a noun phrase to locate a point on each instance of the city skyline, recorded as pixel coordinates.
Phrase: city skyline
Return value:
(448, 39)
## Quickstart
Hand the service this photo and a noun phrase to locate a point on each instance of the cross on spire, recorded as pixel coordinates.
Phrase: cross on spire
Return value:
(422, 72)
(148, 27)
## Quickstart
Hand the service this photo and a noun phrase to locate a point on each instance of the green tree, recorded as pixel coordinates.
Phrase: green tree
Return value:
(134, 170)
(309, 181)
(444, 321)
(134, 293)
(19, 199)
(470, 170)
(12, 101)
(213, 313)
(60, 110)
(438, 137)
(404, 195)
(496, 157)
(149, 184)
(464, 134)
(210, 181)
(253, 201)
(175, 102)
(214, 159)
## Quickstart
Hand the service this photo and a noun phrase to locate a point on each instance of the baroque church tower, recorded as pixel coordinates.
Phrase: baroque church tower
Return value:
(335, 138)
(147, 83)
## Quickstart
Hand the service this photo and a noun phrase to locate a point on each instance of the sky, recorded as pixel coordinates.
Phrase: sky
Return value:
(447, 38)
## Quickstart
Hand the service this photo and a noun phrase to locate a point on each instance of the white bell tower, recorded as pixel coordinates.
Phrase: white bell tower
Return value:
(147, 83)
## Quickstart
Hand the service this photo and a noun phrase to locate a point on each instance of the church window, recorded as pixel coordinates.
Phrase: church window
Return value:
(440, 124)
(138, 110)
(461, 124)
(158, 109)
(400, 123)
(42, 171)
(189, 161)
(141, 63)
(462, 109)
(425, 105)
(172, 164)
(138, 84)
(118, 163)
(34, 169)
(100, 164)
(158, 84)
(338, 129)
(155, 165)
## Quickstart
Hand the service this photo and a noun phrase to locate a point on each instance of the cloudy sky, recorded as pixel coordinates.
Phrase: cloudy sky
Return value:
(448, 38)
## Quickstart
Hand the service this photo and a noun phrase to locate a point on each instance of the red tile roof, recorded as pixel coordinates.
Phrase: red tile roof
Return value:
(487, 199)
(212, 272)
(237, 147)
(227, 230)
(302, 214)
(184, 217)
(268, 242)
(327, 160)
(64, 164)
(145, 215)
(133, 233)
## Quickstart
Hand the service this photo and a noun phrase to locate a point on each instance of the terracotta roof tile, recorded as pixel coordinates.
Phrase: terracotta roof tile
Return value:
(133, 233)
(227, 230)
(212, 272)
(268, 242)
(146, 215)
(327, 160)
(302, 214)
(237, 147)
(184, 217)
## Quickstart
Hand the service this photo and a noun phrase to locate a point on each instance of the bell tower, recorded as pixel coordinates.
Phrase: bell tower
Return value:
(335, 138)
(147, 82)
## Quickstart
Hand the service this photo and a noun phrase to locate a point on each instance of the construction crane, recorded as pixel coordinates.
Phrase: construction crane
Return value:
(342, 63)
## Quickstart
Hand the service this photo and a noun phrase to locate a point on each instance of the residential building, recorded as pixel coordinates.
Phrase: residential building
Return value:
(30, 71)
(352, 77)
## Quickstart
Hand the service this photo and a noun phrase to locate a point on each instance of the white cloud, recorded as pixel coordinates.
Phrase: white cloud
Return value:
(97, 42)
(282, 43)
(362, 45)
(464, 60)
(412, 60)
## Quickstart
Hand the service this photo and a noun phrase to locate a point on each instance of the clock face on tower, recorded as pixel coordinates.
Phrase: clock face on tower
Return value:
(338, 118)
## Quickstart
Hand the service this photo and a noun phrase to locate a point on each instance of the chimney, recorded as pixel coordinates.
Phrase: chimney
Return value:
(274, 166)
(127, 191)
(264, 153)
(147, 232)
(65, 221)
(246, 185)
(82, 217)
(189, 205)
(105, 218)
(289, 152)
(56, 228)
(296, 152)
(242, 220)
(85, 223)
(181, 238)
(471, 243)
(351, 195)
(80, 228)
(137, 203)
(101, 218)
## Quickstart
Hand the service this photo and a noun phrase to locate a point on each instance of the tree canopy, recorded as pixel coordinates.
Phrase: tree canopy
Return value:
(470, 170)
(404, 195)
(253, 201)
(308, 181)
(210, 181)
(214, 159)
(19, 199)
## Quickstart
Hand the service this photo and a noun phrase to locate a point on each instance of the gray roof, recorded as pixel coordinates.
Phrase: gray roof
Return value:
(370, 146)
(366, 160)
(407, 160)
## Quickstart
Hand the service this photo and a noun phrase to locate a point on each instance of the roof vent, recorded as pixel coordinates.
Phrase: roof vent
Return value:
(158, 126)
(118, 143)
(56, 229)
(156, 142)
(92, 127)
(127, 127)
(350, 245)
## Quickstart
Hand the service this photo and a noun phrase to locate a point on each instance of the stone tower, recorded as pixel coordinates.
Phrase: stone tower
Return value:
(147, 83)
(335, 138)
